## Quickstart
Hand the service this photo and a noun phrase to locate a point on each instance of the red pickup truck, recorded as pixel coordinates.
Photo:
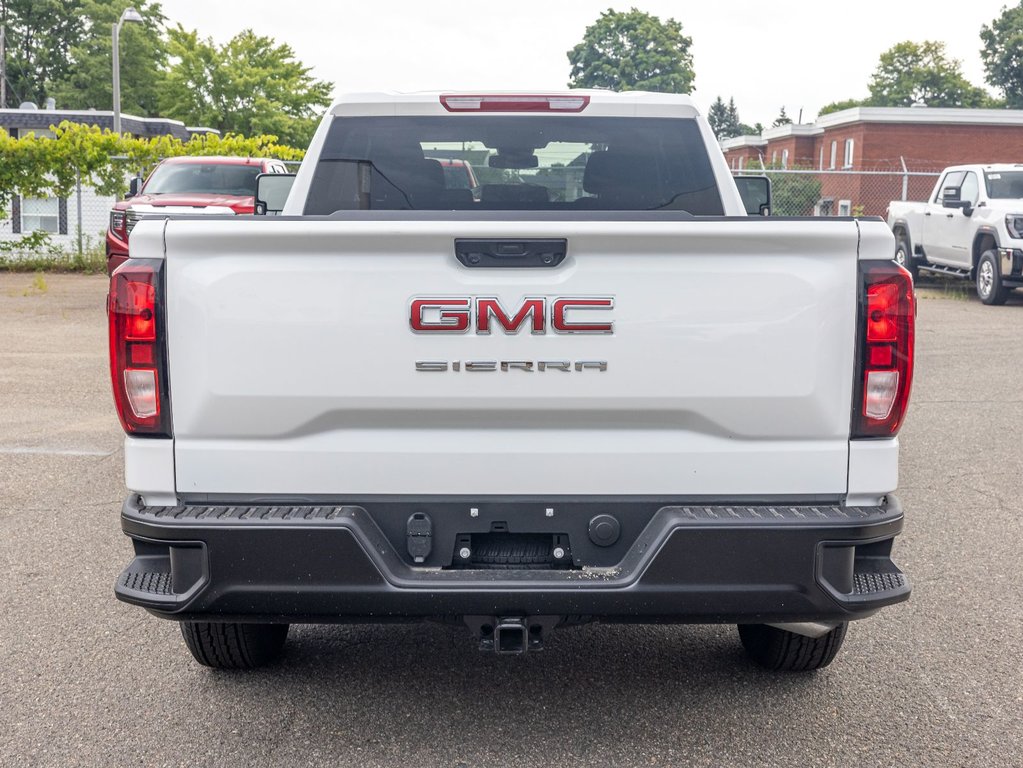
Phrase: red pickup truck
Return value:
(187, 185)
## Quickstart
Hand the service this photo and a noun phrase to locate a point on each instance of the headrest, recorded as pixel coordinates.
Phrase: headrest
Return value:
(413, 172)
(618, 173)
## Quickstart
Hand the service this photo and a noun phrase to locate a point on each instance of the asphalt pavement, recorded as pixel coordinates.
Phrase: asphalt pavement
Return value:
(86, 680)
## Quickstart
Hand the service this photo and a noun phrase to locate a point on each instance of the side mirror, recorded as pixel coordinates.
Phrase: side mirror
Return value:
(967, 208)
(272, 190)
(951, 197)
(134, 187)
(755, 192)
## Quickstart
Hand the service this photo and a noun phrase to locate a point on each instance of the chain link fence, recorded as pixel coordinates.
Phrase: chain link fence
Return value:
(78, 223)
(806, 192)
(73, 226)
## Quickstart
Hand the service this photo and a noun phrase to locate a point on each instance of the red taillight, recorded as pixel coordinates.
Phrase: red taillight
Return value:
(885, 370)
(513, 103)
(137, 352)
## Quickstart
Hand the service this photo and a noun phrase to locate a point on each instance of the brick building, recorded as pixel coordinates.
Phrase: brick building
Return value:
(881, 140)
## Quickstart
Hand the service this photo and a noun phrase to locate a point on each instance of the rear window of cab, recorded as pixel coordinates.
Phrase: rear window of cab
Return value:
(537, 162)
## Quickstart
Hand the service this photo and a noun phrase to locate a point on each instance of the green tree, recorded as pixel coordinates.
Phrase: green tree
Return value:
(838, 106)
(909, 72)
(741, 128)
(39, 166)
(1002, 54)
(781, 119)
(793, 194)
(720, 120)
(40, 34)
(143, 52)
(633, 51)
(724, 120)
(250, 85)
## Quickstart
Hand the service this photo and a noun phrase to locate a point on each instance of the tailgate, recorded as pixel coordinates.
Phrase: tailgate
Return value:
(729, 370)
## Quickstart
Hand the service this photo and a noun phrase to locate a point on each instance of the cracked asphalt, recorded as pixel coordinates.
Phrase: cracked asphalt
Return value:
(88, 681)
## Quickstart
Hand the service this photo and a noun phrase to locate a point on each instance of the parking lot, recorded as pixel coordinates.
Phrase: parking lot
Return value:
(85, 680)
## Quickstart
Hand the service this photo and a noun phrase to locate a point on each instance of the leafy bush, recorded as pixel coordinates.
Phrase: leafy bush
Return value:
(36, 251)
(47, 167)
(793, 194)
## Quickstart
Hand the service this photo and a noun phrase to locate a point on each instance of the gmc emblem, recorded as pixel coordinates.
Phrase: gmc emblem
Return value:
(457, 314)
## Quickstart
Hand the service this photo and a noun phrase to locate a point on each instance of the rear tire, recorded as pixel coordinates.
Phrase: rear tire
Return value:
(784, 651)
(234, 646)
(904, 256)
(989, 280)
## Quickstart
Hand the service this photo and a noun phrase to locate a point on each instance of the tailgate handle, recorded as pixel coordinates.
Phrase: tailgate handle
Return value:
(506, 253)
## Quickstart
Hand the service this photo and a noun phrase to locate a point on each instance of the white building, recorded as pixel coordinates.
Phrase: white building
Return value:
(84, 211)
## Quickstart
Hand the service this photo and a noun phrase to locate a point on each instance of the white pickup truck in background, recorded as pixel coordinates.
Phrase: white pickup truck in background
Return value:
(591, 389)
(971, 227)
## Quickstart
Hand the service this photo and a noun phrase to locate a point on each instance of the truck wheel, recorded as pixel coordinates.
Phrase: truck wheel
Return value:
(904, 257)
(989, 282)
(234, 646)
(785, 651)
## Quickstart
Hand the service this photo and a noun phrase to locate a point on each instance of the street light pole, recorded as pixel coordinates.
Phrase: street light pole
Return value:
(117, 78)
(3, 67)
(129, 15)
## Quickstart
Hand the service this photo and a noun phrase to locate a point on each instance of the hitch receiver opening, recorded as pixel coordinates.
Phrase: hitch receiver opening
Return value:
(511, 634)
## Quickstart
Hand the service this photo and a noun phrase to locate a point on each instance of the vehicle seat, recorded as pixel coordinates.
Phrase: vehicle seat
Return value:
(398, 183)
(445, 200)
(621, 181)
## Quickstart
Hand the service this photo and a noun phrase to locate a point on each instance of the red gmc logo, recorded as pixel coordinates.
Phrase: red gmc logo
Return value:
(457, 314)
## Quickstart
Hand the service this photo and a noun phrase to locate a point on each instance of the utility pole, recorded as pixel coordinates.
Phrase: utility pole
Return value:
(3, 67)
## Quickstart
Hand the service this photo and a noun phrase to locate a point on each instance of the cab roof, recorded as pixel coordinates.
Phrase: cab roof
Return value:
(595, 102)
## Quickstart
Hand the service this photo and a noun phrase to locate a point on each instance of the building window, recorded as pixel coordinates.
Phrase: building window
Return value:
(822, 159)
(774, 157)
(784, 158)
(848, 161)
(834, 154)
(845, 208)
(39, 133)
(741, 162)
(40, 214)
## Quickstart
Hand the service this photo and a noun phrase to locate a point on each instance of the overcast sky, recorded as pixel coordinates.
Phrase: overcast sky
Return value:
(765, 53)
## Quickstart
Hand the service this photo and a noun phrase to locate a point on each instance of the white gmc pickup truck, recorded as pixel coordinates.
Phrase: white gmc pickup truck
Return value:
(971, 227)
(591, 389)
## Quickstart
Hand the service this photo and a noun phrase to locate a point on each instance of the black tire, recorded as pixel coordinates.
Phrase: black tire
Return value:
(989, 280)
(234, 646)
(785, 651)
(904, 256)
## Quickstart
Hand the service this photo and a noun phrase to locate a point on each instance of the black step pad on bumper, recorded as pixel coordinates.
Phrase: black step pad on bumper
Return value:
(333, 562)
(134, 579)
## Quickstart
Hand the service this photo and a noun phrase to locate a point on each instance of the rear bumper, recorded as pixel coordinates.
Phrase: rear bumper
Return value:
(701, 564)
